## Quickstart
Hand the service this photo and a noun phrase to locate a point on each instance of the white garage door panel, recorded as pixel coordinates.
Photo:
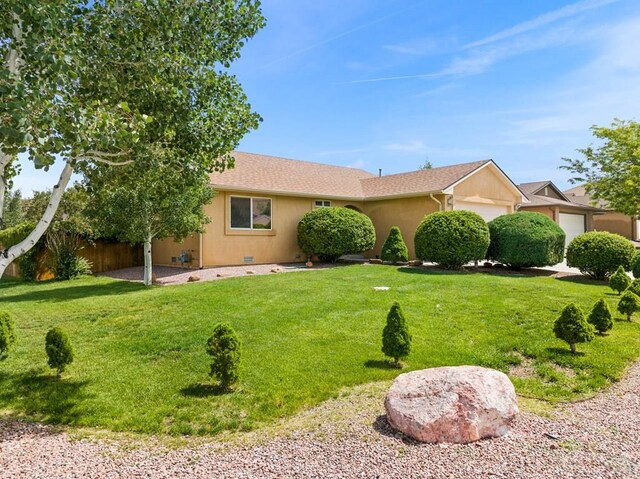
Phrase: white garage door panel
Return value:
(488, 212)
(573, 225)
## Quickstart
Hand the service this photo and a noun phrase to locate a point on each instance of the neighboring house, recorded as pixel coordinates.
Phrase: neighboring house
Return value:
(574, 218)
(259, 203)
(610, 220)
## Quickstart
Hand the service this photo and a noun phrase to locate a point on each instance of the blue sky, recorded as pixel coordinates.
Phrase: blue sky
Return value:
(391, 83)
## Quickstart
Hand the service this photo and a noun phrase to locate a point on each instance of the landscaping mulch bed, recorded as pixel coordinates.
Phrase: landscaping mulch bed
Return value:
(349, 437)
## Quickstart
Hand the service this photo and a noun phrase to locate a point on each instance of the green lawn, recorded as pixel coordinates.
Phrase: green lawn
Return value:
(140, 362)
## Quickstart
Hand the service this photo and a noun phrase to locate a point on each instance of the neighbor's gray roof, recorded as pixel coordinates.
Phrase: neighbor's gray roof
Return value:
(529, 190)
(270, 174)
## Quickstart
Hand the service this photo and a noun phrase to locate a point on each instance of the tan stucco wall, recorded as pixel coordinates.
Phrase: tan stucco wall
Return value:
(164, 250)
(223, 246)
(405, 213)
(486, 186)
(615, 222)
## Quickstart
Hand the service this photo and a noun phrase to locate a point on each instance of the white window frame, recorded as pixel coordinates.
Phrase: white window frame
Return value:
(323, 204)
(235, 228)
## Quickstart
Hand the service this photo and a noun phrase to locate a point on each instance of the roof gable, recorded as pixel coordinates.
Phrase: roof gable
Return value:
(538, 188)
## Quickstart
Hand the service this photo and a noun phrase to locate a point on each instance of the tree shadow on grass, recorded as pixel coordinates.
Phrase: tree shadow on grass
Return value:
(43, 396)
(199, 390)
(565, 352)
(380, 364)
(580, 279)
(429, 270)
(40, 292)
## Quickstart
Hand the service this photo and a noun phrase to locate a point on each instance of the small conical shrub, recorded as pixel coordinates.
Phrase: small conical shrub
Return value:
(634, 287)
(629, 303)
(7, 334)
(572, 327)
(600, 317)
(635, 265)
(396, 339)
(59, 350)
(225, 348)
(394, 248)
(619, 281)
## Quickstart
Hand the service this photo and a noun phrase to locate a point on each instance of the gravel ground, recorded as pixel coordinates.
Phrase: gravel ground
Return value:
(170, 275)
(349, 437)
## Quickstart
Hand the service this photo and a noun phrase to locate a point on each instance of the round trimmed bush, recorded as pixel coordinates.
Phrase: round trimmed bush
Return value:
(394, 249)
(331, 232)
(635, 265)
(452, 238)
(526, 239)
(598, 253)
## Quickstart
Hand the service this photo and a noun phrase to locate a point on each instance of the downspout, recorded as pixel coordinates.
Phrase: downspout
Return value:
(200, 265)
(436, 200)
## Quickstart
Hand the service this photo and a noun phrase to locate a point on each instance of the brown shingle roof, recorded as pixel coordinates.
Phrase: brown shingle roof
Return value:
(578, 194)
(415, 182)
(269, 174)
(529, 189)
(263, 173)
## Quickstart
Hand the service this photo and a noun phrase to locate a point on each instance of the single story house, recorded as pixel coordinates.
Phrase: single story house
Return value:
(610, 220)
(545, 197)
(260, 201)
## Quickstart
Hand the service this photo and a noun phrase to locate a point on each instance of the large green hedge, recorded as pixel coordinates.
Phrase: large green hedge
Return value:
(598, 253)
(452, 238)
(331, 232)
(526, 239)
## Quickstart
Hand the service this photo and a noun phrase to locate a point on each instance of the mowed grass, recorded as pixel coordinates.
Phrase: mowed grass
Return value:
(140, 352)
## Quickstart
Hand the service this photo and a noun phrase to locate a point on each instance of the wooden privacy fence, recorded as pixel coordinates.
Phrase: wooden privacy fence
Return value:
(103, 256)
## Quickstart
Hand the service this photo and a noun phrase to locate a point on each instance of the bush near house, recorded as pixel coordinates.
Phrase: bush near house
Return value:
(599, 253)
(452, 238)
(629, 304)
(572, 327)
(619, 281)
(394, 248)
(526, 239)
(331, 232)
(600, 317)
(7, 334)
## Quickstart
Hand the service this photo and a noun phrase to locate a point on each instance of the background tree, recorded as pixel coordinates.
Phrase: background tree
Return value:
(396, 339)
(225, 349)
(13, 213)
(137, 204)
(572, 327)
(59, 350)
(600, 317)
(611, 171)
(91, 78)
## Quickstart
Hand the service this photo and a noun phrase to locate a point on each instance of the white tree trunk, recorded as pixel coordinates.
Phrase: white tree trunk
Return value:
(148, 263)
(12, 64)
(9, 254)
(3, 186)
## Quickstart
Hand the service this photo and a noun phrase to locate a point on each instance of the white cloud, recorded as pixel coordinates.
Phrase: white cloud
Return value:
(536, 23)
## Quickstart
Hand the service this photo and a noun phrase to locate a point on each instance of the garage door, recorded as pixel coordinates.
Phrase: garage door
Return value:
(488, 212)
(573, 225)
